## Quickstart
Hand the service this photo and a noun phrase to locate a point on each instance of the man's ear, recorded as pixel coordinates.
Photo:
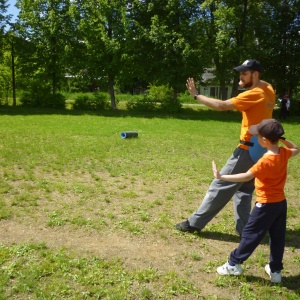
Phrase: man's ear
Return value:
(256, 74)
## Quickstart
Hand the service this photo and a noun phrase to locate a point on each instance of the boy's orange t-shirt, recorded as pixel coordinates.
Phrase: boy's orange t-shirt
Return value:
(270, 175)
(255, 105)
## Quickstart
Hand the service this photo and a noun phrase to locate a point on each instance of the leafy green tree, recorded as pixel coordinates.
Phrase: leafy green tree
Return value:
(229, 24)
(5, 77)
(4, 19)
(168, 40)
(103, 27)
(7, 37)
(153, 42)
(9, 63)
(46, 28)
(267, 31)
(278, 41)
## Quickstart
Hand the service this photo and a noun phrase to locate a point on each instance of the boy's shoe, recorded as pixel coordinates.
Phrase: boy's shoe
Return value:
(275, 277)
(186, 227)
(227, 269)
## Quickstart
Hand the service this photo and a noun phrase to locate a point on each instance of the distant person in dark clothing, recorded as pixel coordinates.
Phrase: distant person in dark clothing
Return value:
(283, 107)
(288, 104)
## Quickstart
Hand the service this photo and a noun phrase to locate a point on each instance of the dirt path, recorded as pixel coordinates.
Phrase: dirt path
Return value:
(135, 251)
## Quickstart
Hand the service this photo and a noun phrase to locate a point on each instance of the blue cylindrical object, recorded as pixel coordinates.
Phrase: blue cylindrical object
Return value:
(128, 134)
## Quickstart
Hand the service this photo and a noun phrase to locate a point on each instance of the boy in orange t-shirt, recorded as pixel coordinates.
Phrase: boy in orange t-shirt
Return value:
(269, 213)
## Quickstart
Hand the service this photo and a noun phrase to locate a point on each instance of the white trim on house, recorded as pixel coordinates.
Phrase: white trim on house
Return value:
(211, 90)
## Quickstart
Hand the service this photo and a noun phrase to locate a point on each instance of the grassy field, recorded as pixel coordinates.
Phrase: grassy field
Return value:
(85, 214)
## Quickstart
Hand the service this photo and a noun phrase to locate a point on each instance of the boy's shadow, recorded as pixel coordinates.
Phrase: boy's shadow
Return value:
(292, 237)
(289, 282)
(292, 283)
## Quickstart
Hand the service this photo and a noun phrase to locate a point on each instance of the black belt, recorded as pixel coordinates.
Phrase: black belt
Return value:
(247, 143)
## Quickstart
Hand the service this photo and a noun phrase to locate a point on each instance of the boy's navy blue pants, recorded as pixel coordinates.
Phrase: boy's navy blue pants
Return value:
(264, 218)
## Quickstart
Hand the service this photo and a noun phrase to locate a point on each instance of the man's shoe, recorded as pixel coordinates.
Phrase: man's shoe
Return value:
(186, 227)
(275, 277)
(227, 269)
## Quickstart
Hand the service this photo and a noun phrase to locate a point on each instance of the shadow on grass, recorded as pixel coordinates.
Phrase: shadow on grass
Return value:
(186, 113)
(199, 113)
(289, 282)
(292, 237)
(220, 236)
(292, 283)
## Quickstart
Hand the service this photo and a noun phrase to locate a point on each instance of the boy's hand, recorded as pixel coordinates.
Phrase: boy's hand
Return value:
(215, 170)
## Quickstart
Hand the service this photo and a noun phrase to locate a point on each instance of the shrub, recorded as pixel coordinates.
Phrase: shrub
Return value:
(160, 93)
(36, 96)
(102, 101)
(54, 101)
(156, 98)
(42, 98)
(96, 101)
(186, 98)
(26, 99)
(171, 105)
(165, 96)
(142, 104)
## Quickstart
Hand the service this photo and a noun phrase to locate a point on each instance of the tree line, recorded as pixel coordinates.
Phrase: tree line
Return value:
(79, 45)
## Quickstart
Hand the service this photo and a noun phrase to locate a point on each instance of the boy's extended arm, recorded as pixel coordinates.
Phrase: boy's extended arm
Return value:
(241, 177)
(295, 149)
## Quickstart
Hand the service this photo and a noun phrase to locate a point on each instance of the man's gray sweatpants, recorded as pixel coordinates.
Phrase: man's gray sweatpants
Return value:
(220, 192)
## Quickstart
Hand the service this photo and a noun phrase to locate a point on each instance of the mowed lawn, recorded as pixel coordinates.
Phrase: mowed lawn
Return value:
(86, 214)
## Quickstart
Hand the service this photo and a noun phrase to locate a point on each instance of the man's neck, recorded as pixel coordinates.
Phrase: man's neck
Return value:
(258, 83)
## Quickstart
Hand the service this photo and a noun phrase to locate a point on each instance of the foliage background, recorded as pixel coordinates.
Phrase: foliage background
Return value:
(125, 46)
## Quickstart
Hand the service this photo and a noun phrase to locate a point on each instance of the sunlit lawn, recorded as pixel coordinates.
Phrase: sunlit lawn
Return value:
(72, 172)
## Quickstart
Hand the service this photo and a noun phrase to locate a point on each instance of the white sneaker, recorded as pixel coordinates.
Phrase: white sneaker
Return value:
(227, 269)
(275, 277)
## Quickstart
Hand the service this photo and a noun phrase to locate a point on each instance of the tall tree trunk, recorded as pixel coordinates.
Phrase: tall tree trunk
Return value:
(174, 95)
(13, 74)
(112, 92)
(54, 83)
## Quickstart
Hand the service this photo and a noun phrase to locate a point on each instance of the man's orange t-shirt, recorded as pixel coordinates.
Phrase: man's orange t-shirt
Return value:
(255, 105)
(270, 175)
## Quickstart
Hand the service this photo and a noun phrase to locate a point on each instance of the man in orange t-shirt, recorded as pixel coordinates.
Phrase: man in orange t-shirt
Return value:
(255, 104)
(270, 211)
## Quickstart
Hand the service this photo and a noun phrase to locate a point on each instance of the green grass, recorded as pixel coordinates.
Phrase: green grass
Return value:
(85, 214)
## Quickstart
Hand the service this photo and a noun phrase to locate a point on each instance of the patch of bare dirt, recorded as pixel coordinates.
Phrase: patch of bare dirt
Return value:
(137, 252)
(108, 245)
